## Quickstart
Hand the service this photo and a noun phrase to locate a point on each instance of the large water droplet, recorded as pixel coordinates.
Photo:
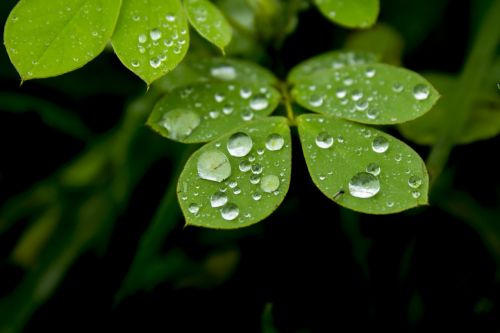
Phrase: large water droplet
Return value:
(364, 185)
(214, 165)
(421, 92)
(274, 142)
(373, 168)
(324, 140)
(194, 208)
(415, 181)
(316, 100)
(380, 144)
(269, 183)
(229, 212)
(259, 102)
(218, 199)
(223, 72)
(239, 144)
(180, 123)
(155, 34)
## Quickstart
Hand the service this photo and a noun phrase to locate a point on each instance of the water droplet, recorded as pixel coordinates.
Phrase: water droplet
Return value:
(421, 92)
(275, 142)
(155, 62)
(194, 208)
(373, 168)
(237, 190)
(370, 72)
(180, 123)
(397, 87)
(254, 179)
(259, 102)
(256, 196)
(257, 169)
(356, 95)
(155, 34)
(251, 158)
(223, 72)
(227, 109)
(415, 181)
(372, 113)
(364, 185)
(415, 194)
(247, 115)
(214, 165)
(142, 38)
(218, 199)
(135, 63)
(239, 144)
(233, 184)
(341, 93)
(219, 97)
(390, 204)
(214, 114)
(245, 166)
(229, 212)
(269, 183)
(324, 140)
(170, 17)
(260, 151)
(245, 93)
(380, 144)
(316, 100)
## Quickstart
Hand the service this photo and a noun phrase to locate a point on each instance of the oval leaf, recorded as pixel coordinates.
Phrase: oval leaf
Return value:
(370, 94)
(209, 22)
(483, 122)
(351, 13)
(151, 37)
(216, 69)
(361, 168)
(204, 111)
(49, 38)
(240, 178)
(330, 60)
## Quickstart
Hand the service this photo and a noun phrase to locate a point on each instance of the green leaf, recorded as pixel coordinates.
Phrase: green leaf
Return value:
(208, 20)
(204, 111)
(361, 168)
(237, 191)
(216, 69)
(371, 94)
(49, 38)
(483, 122)
(151, 37)
(350, 13)
(330, 60)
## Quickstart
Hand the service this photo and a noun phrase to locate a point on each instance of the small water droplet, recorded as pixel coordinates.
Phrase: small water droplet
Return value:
(324, 140)
(380, 144)
(373, 168)
(223, 72)
(341, 93)
(269, 183)
(397, 87)
(256, 196)
(414, 181)
(364, 185)
(254, 179)
(170, 17)
(275, 142)
(315, 100)
(233, 184)
(135, 63)
(155, 34)
(239, 144)
(214, 165)
(229, 212)
(227, 109)
(180, 123)
(259, 102)
(155, 62)
(247, 115)
(245, 166)
(219, 97)
(245, 93)
(218, 199)
(421, 92)
(260, 151)
(194, 208)
(214, 114)
(415, 194)
(372, 113)
(356, 95)
(257, 168)
(390, 204)
(370, 72)
(142, 38)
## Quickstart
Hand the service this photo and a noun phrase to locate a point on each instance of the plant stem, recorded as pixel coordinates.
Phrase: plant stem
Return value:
(475, 68)
(287, 101)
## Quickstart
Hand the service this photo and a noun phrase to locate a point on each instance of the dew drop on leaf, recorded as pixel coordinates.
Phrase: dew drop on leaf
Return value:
(257, 169)
(213, 165)
(230, 211)
(259, 102)
(180, 123)
(269, 183)
(373, 168)
(244, 166)
(364, 185)
(274, 142)
(239, 144)
(397, 87)
(421, 92)
(155, 34)
(415, 194)
(194, 208)
(254, 179)
(256, 196)
(218, 199)
(380, 144)
(324, 140)
(223, 72)
(414, 181)
(316, 100)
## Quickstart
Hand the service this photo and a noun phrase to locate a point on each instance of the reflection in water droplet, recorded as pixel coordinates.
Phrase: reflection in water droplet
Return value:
(245, 93)
(372, 113)
(364, 185)
(341, 93)
(155, 62)
(274, 142)
(219, 97)
(245, 166)
(194, 208)
(256, 196)
(415, 194)
(315, 100)
(373, 168)
(180, 123)
(223, 72)
(380, 144)
(415, 181)
(155, 34)
(229, 212)
(214, 165)
(257, 169)
(218, 199)
(254, 179)
(324, 140)
(421, 92)
(259, 102)
(239, 144)
(269, 183)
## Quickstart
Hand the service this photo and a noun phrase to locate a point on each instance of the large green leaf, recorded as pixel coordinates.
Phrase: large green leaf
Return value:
(208, 20)
(204, 111)
(216, 69)
(371, 94)
(362, 168)
(483, 122)
(151, 37)
(330, 60)
(238, 179)
(350, 13)
(49, 38)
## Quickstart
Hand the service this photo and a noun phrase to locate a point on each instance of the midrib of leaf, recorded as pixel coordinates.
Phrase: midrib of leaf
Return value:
(58, 35)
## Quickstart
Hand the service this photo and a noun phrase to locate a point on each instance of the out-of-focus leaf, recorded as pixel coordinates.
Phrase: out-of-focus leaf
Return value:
(350, 13)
